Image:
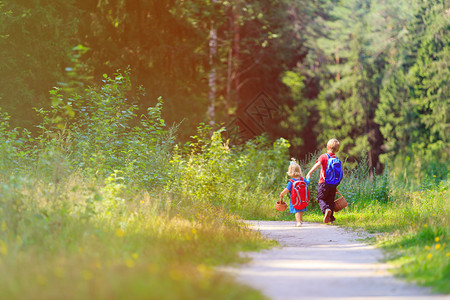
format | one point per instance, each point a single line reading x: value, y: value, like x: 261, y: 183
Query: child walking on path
x: 295, y: 172
x: 326, y: 192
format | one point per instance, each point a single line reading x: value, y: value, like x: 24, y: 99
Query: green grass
x: 83, y: 241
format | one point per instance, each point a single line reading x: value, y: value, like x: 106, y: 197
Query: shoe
x: 327, y: 216
x: 299, y: 224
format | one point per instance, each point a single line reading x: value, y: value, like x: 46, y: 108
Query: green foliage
x: 382, y: 68
x: 35, y: 38
x: 239, y: 179
x: 15, y: 148
x: 414, y: 101
x: 100, y: 132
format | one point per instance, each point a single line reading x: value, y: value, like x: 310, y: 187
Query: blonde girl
x: 295, y: 172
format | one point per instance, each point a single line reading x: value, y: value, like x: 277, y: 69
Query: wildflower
x: 201, y: 268
x: 447, y: 254
x: 436, y: 239
x: 434, y: 175
x: 135, y: 255
x: 3, y: 248
x: 194, y: 231
x: 429, y: 256
x: 142, y: 202
x: 427, y: 247
x: 438, y: 246
x: 425, y: 225
x: 130, y: 263
x: 120, y: 232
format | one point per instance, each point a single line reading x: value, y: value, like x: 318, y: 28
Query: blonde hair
x: 294, y: 170
x: 333, y: 145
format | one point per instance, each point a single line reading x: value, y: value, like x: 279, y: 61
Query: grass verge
x: 83, y: 241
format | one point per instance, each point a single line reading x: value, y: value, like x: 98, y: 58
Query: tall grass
x: 102, y: 241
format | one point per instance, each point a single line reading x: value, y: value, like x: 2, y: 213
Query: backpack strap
x: 329, y: 156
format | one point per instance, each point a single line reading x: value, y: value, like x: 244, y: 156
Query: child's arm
x: 313, y: 169
x: 284, y: 192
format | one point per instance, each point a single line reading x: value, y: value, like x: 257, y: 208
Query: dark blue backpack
x: 334, y: 171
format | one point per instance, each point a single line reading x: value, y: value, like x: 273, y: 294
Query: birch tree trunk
x: 212, y: 73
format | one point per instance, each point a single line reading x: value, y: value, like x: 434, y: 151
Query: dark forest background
x: 372, y: 73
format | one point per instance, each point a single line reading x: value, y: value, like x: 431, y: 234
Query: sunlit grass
x: 81, y: 241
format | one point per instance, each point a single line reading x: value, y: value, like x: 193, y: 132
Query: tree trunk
x: 236, y: 43
x: 212, y: 73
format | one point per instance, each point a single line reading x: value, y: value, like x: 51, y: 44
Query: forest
x: 134, y: 135
x: 371, y: 73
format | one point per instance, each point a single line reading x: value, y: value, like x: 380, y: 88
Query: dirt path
x: 318, y: 261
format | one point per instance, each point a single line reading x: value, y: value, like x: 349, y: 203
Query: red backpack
x: 299, y: 194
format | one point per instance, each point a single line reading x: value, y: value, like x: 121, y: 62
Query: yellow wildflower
x: 430, y: 256
x: 3, y: 248
x: 438, y: 246
x: 120, y: 232
x: 135, y: 255
x: 130, y: 263
x: 436, y: 239
x: 427, y: 247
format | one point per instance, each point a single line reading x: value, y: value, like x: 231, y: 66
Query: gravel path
x: 319, y: 261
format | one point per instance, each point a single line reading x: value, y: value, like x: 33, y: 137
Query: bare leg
x: 298, y: 218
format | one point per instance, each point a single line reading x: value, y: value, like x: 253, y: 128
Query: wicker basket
x: 280, y: 206
x: 340, y: 203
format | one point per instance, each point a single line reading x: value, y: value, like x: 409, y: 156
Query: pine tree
x: 415, y: 97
